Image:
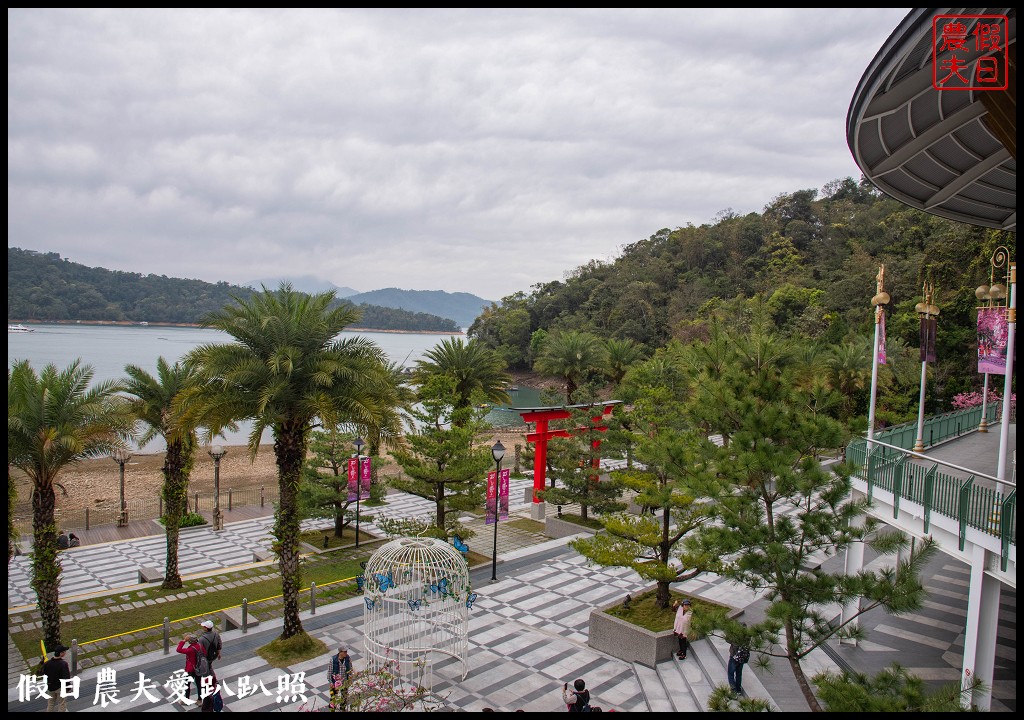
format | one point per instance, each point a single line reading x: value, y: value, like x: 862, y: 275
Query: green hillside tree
x: 477, y: 372
x: 571, y: 356
x: 323, y: 492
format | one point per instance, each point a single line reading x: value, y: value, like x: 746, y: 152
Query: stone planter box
x: 632, y: 643
x: 555, y: 528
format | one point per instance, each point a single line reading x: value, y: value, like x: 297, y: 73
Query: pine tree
x: 441, y: 461
x: 323, y: 492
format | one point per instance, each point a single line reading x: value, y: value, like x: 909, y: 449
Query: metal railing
x: 991, y: 510
x: 937, y: 428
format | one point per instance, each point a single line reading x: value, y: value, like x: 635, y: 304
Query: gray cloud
x: 466, y: 150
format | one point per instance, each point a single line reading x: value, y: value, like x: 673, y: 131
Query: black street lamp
x: 358, y: 442
x: 121, y: 457
x: 217, y: 452
x: 497, y: 452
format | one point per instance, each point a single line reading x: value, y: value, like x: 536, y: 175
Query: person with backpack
x: 339, y: 673
x: 739, y: 655
x: 210, y: 642
x: 577, y: 699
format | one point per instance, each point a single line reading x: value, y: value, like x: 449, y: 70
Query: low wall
x: 555, y: 528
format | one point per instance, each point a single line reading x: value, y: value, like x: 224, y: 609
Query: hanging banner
x: 927, y: 337
x: 353, y: 478
x: 993, y: 332
x: 503, y: 483
x: 492, y: 498
x: 881, y: 338
x: 364, y: 476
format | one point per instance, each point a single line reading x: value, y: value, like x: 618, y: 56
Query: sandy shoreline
x: 131, y: 323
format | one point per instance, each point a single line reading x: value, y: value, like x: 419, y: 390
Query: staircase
x: 685, y: 685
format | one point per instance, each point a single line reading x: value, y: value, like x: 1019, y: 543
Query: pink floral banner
x: 993, y: 332
x: 881, y: 338
x: 353, y: 478
x: 492, y: 499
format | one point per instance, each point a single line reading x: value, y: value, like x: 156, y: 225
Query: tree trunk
x: 176, y: 497
x: 290, y: 451
x: 339, y: 519
x: 439, y: 509
x: 45, y: 563
x: 798, y: 673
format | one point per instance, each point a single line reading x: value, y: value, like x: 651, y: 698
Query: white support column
x: 854, y: 564
x: 981, y: 632
x: 1004, y: 425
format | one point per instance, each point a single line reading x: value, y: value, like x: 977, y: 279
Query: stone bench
x: 262, y: 555
x: 150, y: 575
x: 233, y: 619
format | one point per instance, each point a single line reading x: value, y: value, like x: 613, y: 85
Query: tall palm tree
x: 570, y: 355
x: 849, y: 374
x: 152, y: 402
x: 287, y: 370
x: 475, y: 368
x: 55, y: 419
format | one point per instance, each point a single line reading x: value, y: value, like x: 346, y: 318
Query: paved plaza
x: 528, y: 632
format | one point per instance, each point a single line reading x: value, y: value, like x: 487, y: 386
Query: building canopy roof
x: 950, y: 152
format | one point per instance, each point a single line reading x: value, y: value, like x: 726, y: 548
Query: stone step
x: 701, y: 668
x: 654, y: 692
x: 675, y: 685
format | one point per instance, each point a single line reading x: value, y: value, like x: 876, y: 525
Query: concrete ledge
x: 150, y: 575
x: 262, y: 555
x: 555, y: 528
x: 233, y: 619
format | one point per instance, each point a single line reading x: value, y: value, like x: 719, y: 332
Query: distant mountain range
x: 45, y: 287
x: 461, y: 307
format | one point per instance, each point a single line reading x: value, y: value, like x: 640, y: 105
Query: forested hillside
x: 461, y: 307
x: 810, y: 257
x: 45, y: 287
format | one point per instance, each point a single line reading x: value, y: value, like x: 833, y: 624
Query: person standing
x: 54, y: 670
x: 681, y: 626
x: 739, y: 655
x: 577, y: 699
x: 191, y: 649
x: 210, y: 642
x: 339, y: 673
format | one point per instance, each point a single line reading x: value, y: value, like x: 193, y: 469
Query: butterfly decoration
x: 360, y: 582
x: 415, y: 604
x: 470, y: 600
x: 459, y: 544
x: 384, y: 582
x: 370, y: 602
x: 440, y: 587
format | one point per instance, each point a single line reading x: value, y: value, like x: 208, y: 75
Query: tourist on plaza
x: 63, y: 541
x: 739, y: 655
x: 56, y: 669
x: 339, y: 672
x: 192, y: 650
x: 681, y: 626
x: 210, y: 642
x: 577, y: 699
x: 73, y: 540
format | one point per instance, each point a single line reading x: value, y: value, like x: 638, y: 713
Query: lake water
x: 108, y: 348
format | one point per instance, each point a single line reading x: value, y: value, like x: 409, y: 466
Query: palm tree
x: 849, y: 374
x: 287, y: 371
x: 476, y: 369
x: 621, y: 355
x: 55, y: 419
x: 152, y: 401
x: 571, y: 355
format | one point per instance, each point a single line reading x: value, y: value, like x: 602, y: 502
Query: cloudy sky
x: 464, y: 150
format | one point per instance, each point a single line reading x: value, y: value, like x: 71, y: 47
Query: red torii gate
x: 542, y: 434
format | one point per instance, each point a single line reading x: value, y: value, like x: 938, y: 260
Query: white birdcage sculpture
x: 417, y: 598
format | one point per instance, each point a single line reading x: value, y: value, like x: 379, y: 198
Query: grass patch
x: 644, y: 611
x: 527, y: 525
x: 147, y: 621
x: 298, y: 648
x: 590, y: 522
x: 348, y: 537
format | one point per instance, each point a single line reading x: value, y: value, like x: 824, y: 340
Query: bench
x: 233, y: 619
x: 262, y: 555
x: 150, y: 575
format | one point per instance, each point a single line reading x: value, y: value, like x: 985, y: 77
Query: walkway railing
x: 893, y: 469
x: 937, y: 428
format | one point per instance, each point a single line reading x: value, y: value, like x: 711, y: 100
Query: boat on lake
x: 19, y: 329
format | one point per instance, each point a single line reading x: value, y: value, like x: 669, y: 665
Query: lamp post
x: 121, y: 457
x: 880, y: 300
x: 497, y: 452
x: 217, y: 452
x: 929, y: 313
x: 359, y: 480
